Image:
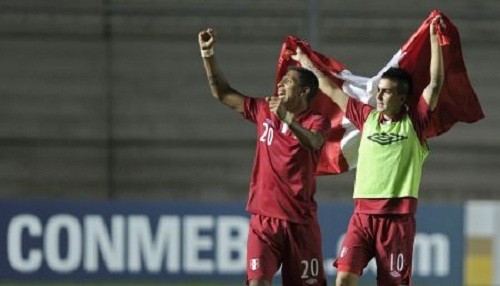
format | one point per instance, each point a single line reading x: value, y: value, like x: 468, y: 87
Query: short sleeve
x: 251, y: 108
x: 420, y: 116
x: 357, y: 112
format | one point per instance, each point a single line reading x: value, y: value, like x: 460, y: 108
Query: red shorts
x: 388, y: 238
x: 297, y: 248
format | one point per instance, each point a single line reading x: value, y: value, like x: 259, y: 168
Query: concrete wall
x: 130, y: 115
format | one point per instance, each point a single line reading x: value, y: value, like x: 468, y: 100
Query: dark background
x: 109, y: 100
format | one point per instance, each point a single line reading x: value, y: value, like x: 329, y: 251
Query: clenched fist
x: 206, y: 39
x: 278, y: 108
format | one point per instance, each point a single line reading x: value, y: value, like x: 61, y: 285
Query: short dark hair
x: 307, y: 79
x: 405, y: 84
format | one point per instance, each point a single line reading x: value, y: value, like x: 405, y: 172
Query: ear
x: 305, y: 91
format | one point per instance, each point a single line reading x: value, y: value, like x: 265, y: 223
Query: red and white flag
x: 457, y: 102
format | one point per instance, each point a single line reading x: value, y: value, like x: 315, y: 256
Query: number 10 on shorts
x: 397, y: 262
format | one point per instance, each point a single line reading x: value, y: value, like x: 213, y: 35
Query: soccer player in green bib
x: 392, y: 150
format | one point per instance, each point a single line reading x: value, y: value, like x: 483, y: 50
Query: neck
x: 391, y: 115
x: 388, y: 117
x: 298, y: 109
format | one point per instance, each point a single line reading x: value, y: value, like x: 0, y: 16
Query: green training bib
x: 390, y: 159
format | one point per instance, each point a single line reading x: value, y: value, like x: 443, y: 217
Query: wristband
x: 207, y: 53
x: 288, y: 119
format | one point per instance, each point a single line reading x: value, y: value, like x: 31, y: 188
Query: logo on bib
x: 386, y: 138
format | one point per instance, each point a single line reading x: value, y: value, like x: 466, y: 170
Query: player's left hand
x: 438, y: 20
x: 301, y: 57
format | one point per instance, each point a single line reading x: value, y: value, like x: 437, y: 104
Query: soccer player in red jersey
x: 392, y: 150
x: 284, y: 230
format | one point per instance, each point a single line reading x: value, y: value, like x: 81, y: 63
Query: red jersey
x: 357, y: 112
x: 283, y: 182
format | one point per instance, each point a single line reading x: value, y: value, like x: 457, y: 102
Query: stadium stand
x: 108, y: 99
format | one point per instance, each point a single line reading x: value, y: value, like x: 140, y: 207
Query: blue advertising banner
x: 183, y: 241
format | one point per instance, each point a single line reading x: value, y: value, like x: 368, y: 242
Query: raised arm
x: 432, y: 91
x: 219, y: 86
x: 326, y: 84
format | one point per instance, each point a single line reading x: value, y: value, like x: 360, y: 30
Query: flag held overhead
x: 458, y: 101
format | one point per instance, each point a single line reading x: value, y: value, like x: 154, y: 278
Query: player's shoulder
x: 258, y: 102
x: 318, y: 117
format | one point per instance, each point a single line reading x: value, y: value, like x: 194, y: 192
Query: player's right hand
x: 206, y: 39
x: 278, y: 108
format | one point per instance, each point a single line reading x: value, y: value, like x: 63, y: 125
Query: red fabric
x: 387, y: 238
x: 392, y: 206
x: 282, y: 184
x: 274, y: 243
x: 357, y: 112
x: 332, y: 160
x: 457, y: 103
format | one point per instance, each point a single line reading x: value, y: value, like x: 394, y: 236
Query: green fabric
x: 390, y: 159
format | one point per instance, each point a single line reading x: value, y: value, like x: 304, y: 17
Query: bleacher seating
x: 108, y: 99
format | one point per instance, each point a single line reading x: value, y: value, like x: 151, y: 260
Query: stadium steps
x: 256, y: 21
x: 170, y: 139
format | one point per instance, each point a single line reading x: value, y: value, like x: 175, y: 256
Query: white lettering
x: 431, y: 252
x: 196, y: 242
x: 268, y: 134
x: 142, y: 244
x: 33, y: 261
x: 98, y: 240
x: 52, y: 242
x: 199, y: 244
x: 229, y: 245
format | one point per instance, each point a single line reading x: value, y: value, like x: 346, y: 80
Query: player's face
x: 289, y: 88
x: 389, y: 101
